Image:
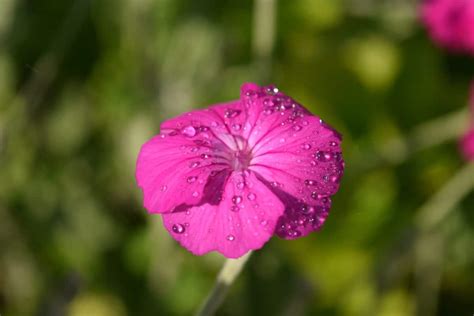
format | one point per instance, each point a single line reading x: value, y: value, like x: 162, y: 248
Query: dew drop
x: 297, y: 128
x: 178, y: 228
x: 334, y: 178
x: 271, y: 90
x: 332, y: 144
x: 195, y: 194
x: 205, y: 156
x: 236, y: 127
x: 236, y: 199
x: 194, y: 164
x: 230, y: 237
x: 251, y: 196
x: 163, y: 188
x: 263, y: 222
x: 306, y: 146
x: 189, y: 131
x: 231, y: 113
x: 240, y: 185
x: 191, y: 179
x: 323, y: 156
x: 305, y: 123
x: 268, y: 111
x: 310, y: 182
x: 235, y: 208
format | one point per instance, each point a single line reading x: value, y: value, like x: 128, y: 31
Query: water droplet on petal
x: 323, y: 156
x: 205, y: 156
x: 230, y: 237
x: 334, y: 178
x: 332, y: 144
x: 309, y: 182
x: 163, y: 188
x: 271, y: 90
x: 235, y: 208
x: 236, y: 127
x: 231, y: 113
x: 268, y: 111
x: 306, y: 146
x: 297, y: 128
x: 195, y: 194
x: 251, y: 196
x: 191, y: 179
x: 194, y: 164
x: 236, y: 199
x: 305, y: 123
x: 178, y: 228
x: 189, y: 131
x: 240, y: 185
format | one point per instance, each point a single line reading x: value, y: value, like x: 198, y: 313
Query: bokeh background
x: 83, y: 83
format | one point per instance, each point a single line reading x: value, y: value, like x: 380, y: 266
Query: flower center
x: 241, y: 160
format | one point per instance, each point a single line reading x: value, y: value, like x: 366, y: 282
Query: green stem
x: 226, y: 277
x: 443, y: 202
x: 428, y: 134
x: 429, y: 246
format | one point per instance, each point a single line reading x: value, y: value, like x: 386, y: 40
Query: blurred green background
x: 84, y: 83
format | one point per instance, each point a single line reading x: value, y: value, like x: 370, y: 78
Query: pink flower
x: 229, y: 177
x: 450, y: 23
x: 467, y: 142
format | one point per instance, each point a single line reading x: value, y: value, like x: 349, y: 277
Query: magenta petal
x: 306, y: 163
x: 229, y: 177
x: 450, y: 23
x: 173, y: 169
x: 244, y: 220
x: 467, y: 145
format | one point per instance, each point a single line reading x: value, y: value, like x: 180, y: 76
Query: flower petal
x: 174, y: 169
x: 300, y: 159
x: 467, y: 145
x: 244, y: 220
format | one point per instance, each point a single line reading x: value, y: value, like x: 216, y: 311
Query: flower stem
x: 263, y: 36
x: 226, y: 277
x: 426, y: 135
x: 430, y: 243
x: 444, y: 201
